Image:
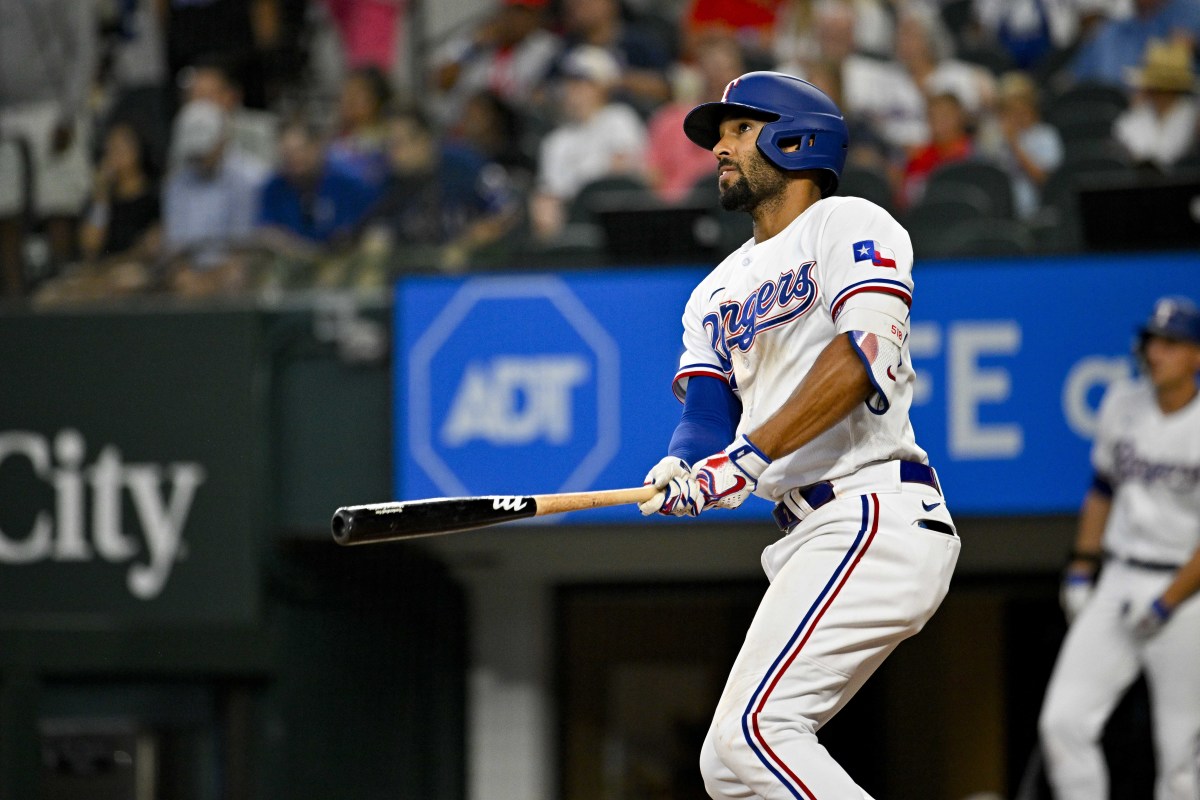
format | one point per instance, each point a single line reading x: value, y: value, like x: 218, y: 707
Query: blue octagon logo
x: 513, y: 388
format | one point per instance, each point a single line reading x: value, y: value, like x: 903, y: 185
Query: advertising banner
x: 130, y: 469
x: 540, y: 383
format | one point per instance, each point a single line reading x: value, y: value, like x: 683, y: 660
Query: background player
x: 1141, y: 518
x: 796, y: 351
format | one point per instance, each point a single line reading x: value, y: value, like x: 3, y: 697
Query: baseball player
x: 796, y: 384
x: 1141, y: 521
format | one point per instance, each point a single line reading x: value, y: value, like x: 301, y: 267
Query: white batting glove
x: 1074, y: 593
x: 677, y: 495
x: 1151, y: 620
x: 727, y: 478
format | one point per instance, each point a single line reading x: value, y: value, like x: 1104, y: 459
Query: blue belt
x: 822, y: 492
x: 1137, y: 563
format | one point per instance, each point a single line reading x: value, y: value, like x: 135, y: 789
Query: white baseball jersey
x: 761, y: 318
x: 1153, y: 463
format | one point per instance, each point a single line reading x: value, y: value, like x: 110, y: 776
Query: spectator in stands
x: 796, y: 36
x: 1028, y: 31
x: 597, y: 139
x: 493, y: 129
x: 215, y: 78
x: 950, y: 141
x: 1160, y: 127
x: 924, y: 48
x: 119, y: 237
x: 359, y: 146
x: 47, y: 62
x: 244, y: 31
x: 133, y: 73
x: 441, y: 204
x: 673, y: 168
x: 1119, y: 43
x: 367, y: 30
x: 307, y: 203
x: 122, y: 220
x: 1021, y: 142
x: 209, y: 203
x: 750, y: 22
x: 879, y: 95
x: 644, y: 58
x: 511, y: 54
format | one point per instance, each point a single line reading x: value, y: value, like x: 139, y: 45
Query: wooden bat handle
x: 578, y: 501
x: 383, y: 522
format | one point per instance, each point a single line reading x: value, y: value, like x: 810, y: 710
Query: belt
x: 1137, y: 563
x: 822, y: 492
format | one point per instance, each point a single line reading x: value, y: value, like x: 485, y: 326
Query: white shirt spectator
x: 1042, y: 144
x: 884, y: 95
x: 578, y: 153
x: 1159, y: 140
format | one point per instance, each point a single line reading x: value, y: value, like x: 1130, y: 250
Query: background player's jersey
x: 1153, y: 463
x: 761, y: 318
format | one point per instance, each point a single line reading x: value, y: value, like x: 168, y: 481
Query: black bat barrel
x: 383, y: 522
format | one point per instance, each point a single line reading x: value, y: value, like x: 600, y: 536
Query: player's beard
x: 758, y: 181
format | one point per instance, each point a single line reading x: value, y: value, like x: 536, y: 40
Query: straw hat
x: 1167, y: 67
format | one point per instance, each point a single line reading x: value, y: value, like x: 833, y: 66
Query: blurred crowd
x: 201, y: 147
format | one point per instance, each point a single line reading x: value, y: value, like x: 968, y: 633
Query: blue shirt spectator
x: 308, y: 197
x: 440, y: 202
x: 1119, y: 44
x: 210, y: 200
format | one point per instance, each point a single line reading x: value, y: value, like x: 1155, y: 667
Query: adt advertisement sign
x: 534, y: 384
x: 532, y: 405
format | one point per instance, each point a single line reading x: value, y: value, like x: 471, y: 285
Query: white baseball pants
x: 1100, y: 658
x: 850, y: 582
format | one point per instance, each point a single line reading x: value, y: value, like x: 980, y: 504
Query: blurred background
x: 263, y: 258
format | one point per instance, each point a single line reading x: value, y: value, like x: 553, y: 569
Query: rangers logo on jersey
x: 736, y: 324
x: 873, y: 251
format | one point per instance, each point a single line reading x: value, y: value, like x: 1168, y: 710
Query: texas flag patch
x: 873, y: 251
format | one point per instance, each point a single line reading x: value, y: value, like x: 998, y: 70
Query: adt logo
x: 512, y: 388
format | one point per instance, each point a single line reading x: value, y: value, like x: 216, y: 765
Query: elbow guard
x: 881, y: 358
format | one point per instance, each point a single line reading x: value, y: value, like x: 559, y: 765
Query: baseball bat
x: 386, y: 522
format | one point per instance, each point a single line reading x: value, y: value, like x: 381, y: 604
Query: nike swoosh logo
x: 929, y: 506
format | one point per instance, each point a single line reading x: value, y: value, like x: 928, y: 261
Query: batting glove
x: 1152, y: 620
x: 727, y: 478
x: 1075, y: 592
x: 678, y: 492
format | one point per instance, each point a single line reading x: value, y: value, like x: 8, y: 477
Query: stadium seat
x: 966, y: 193
x: 992, y: 57
x: 609, y: 192
x: 869, y: 184
x: 1058, y: 226
x: 1089, y: 92
x: 985, y: 175
x: 930, y: 218
x: 1084, y: 122
x: 985, y: 236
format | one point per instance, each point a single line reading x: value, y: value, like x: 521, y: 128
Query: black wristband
x: 1079, y: 555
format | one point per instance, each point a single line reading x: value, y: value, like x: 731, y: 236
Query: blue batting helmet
x: 1173, y: 318
x: 797, y: 113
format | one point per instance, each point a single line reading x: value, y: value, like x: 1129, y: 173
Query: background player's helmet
x: 1173, y: 318
x: 798, y: 112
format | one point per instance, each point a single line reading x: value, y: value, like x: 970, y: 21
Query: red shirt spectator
x: 950, y: 140
x: 673, y: 162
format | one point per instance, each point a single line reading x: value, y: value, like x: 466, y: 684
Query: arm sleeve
x: 710, y: 415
